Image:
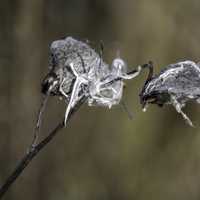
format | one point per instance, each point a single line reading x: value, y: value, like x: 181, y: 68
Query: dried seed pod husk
x: 65, y: 51
x: 177, y: 84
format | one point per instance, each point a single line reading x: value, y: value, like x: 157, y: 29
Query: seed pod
x: 64, y: 52
x: 77, y: 71
x: 176, y: 84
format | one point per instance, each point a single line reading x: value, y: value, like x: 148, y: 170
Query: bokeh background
x: 102, y: 154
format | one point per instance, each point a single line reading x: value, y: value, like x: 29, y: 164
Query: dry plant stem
x: 32, y: 152
x: 126, y: 109
x: 27, y: 159
x: 39, y: 120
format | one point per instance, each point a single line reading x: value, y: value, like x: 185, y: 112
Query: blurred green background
x: 101, y: 155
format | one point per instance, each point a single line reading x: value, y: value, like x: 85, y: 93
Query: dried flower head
x: 77, y: 71
x: 176, y: 84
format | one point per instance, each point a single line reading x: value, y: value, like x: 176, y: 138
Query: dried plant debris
x: 77, y: 71
x: 177, y: 84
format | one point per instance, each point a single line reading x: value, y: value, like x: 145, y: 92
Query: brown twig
x: 39, y: 120
x: 33, y: 151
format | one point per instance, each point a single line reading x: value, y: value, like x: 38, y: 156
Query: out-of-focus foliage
x: 101, y: 154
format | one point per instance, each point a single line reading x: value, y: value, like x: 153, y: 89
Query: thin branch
x: 32, y: 152
x: 39, y: 120
x: 126, y: 109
